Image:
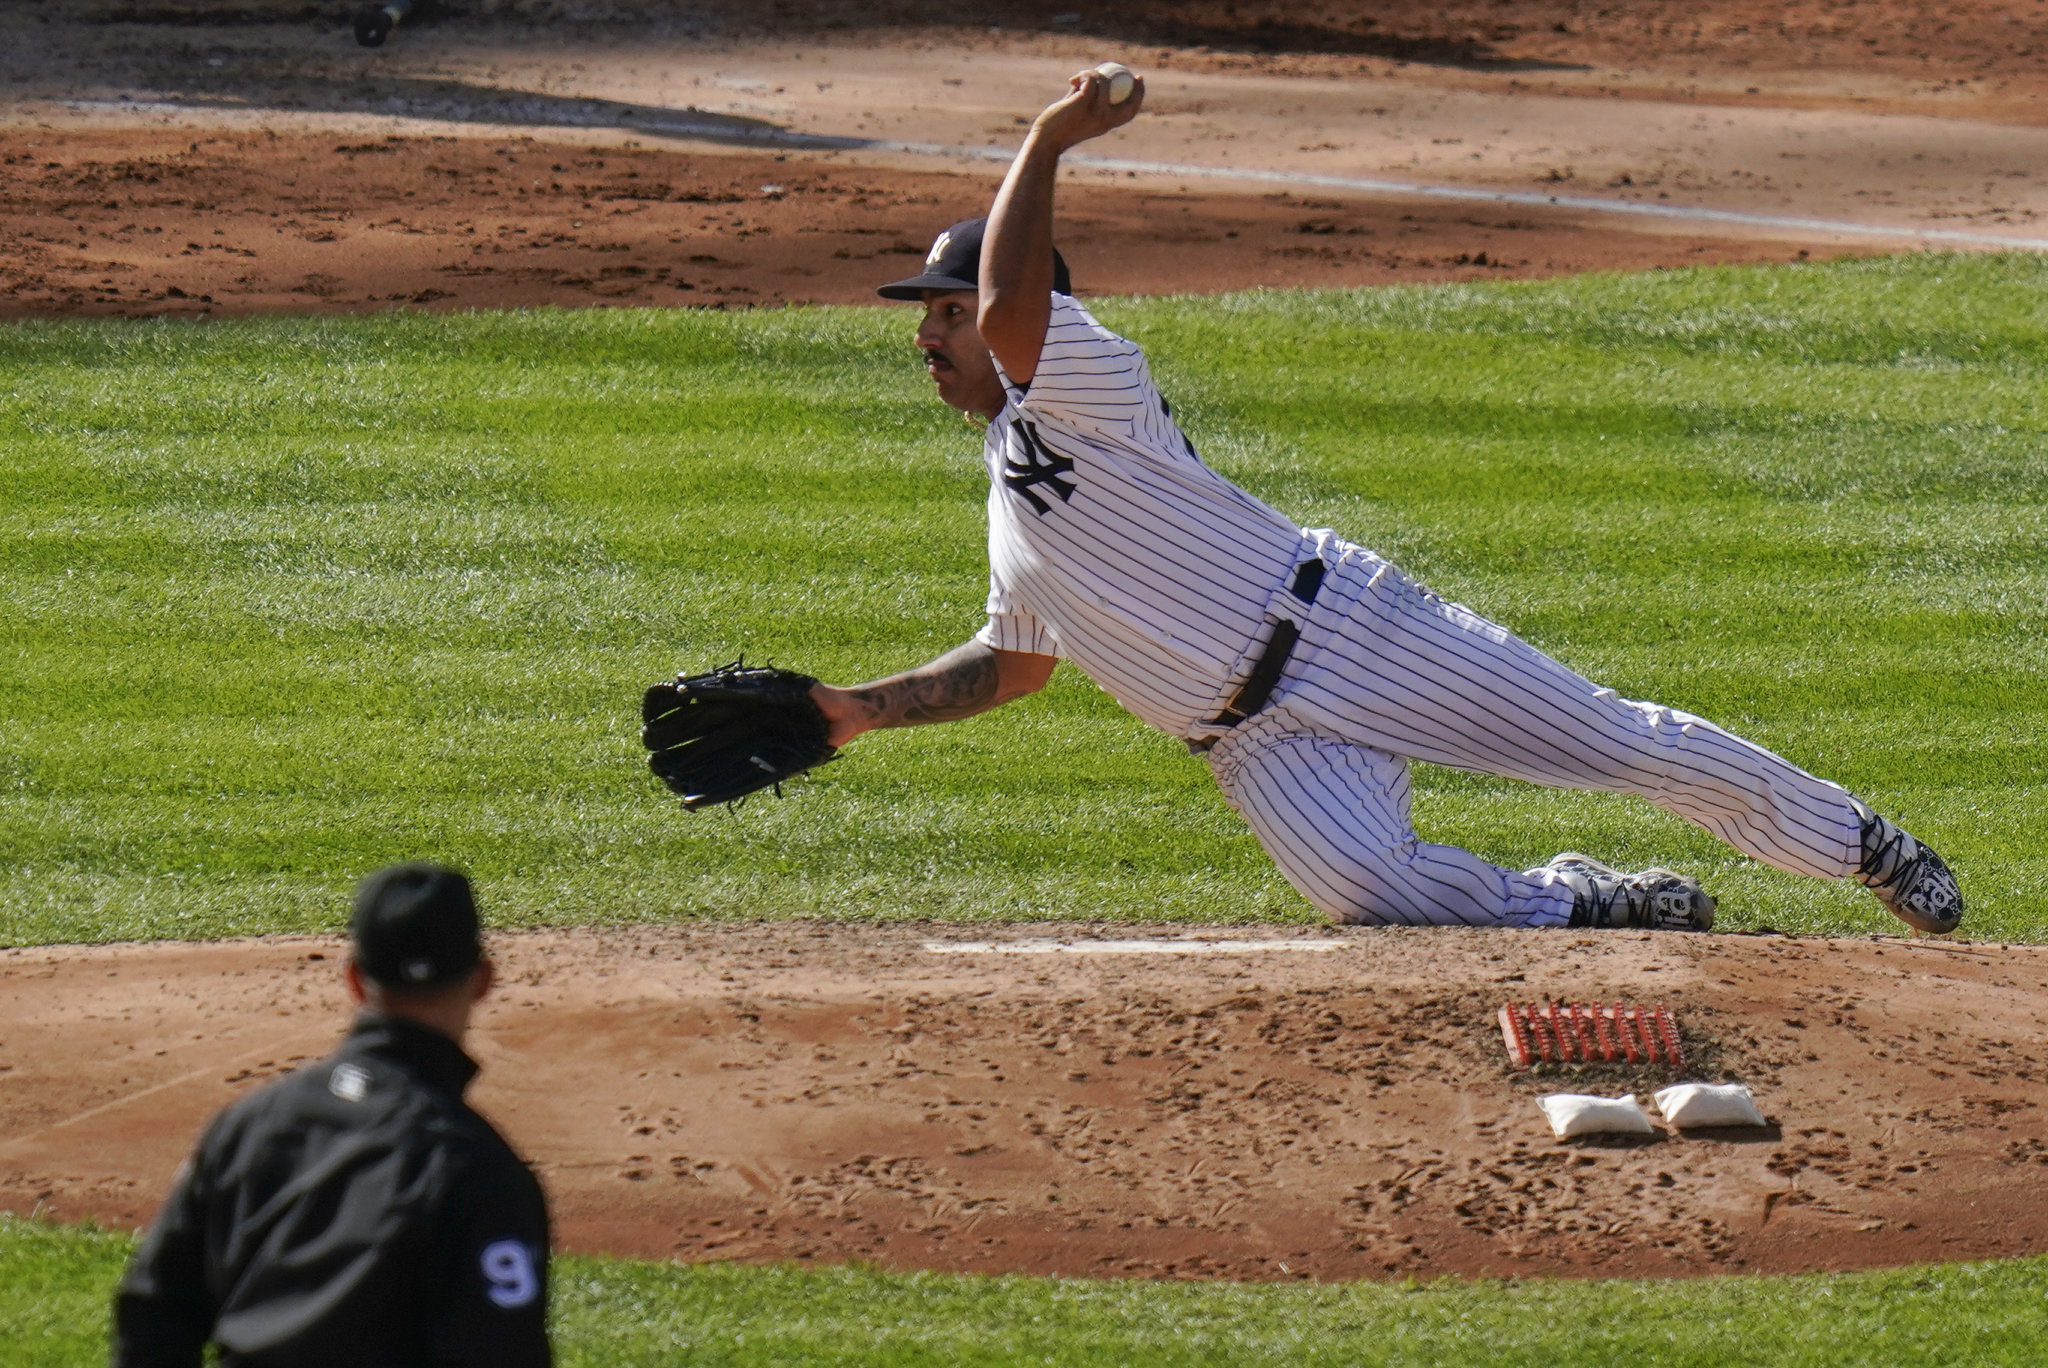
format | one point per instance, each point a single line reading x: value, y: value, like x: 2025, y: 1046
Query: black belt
x: 1265, y: 675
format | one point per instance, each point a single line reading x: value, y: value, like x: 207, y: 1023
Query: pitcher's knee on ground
x: 1334, y: 816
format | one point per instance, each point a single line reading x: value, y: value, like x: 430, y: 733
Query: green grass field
x: 281, y: 601
x: 54, y: 1285
x: 284, y: 600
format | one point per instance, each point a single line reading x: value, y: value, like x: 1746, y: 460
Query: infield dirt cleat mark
x: 1597, y: 1033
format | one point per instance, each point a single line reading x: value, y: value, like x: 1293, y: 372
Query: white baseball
x: 1121, y: 81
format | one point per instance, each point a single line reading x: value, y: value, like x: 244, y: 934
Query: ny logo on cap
x: 939, y: 249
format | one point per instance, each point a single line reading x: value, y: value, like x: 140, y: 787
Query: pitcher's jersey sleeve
x: 1011, y: 626
x: 1092, y: 378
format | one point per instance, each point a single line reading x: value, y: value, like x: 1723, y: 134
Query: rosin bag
x: 1577, y: 1114
x: 1709, y: 1104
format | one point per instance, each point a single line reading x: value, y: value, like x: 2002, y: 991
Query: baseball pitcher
x: 1308, y: 670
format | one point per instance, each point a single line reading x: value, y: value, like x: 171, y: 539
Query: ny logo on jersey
x: 1039, y: 465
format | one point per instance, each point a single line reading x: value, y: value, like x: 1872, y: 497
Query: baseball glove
x: 718, y: 736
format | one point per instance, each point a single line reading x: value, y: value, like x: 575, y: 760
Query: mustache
x: 934, y: 355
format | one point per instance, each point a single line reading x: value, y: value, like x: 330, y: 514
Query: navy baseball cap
x: 415, y: 927
x: 954, y: 263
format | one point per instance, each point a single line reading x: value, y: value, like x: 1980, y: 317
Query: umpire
x: 357, y: 1212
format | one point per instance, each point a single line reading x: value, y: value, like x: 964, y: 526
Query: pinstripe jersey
x: 1112, y: 545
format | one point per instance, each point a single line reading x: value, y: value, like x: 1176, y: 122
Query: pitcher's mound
x: 1290, y: 1103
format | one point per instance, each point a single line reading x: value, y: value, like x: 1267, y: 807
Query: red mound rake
x: 1583, y: 1033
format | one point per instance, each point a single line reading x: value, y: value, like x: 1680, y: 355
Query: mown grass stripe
x: 56, y: 1281
x: 284, y: 599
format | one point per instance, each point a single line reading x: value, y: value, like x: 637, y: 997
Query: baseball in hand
x: 1121, y: 81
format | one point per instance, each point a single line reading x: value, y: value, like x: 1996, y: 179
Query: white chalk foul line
x: 680, y: 124
x: 1128, y: 947
x: 1474, y: 194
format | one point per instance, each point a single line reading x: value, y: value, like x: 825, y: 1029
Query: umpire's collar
x: 433, y: 1056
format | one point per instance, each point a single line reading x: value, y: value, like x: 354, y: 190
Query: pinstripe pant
x: 1387, y: 672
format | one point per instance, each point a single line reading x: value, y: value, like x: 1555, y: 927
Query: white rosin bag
x: 1577, y: 1114
x: 1709, y: 1104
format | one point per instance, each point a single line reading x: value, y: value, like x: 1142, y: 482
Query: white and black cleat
x: 1908, y: 877
x: 1653, y: 900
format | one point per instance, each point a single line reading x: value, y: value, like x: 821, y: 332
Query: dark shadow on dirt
x: 1168, y: 23
x: 461, y: 102
x: 1617, y: 1142
x: 1739, y: 1135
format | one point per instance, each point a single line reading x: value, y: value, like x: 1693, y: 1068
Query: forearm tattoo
x: 958, y: 684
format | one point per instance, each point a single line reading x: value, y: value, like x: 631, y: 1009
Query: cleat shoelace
x: 1887, y: 853
x: 1654, y: 900
x: 1907, y: 876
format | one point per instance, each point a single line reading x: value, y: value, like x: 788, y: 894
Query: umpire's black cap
x: 415, y: 927
x: 954, y: 263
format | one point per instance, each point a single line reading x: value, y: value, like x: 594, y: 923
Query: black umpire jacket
x: 356, y: 1213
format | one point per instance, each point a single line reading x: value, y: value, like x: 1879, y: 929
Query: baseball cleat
x: 1908, y: 877
x: 1654, y: 900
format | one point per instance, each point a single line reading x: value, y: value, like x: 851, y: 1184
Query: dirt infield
x: 361, y: 222
x: 208, y: 157
x: 829, y: 1092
